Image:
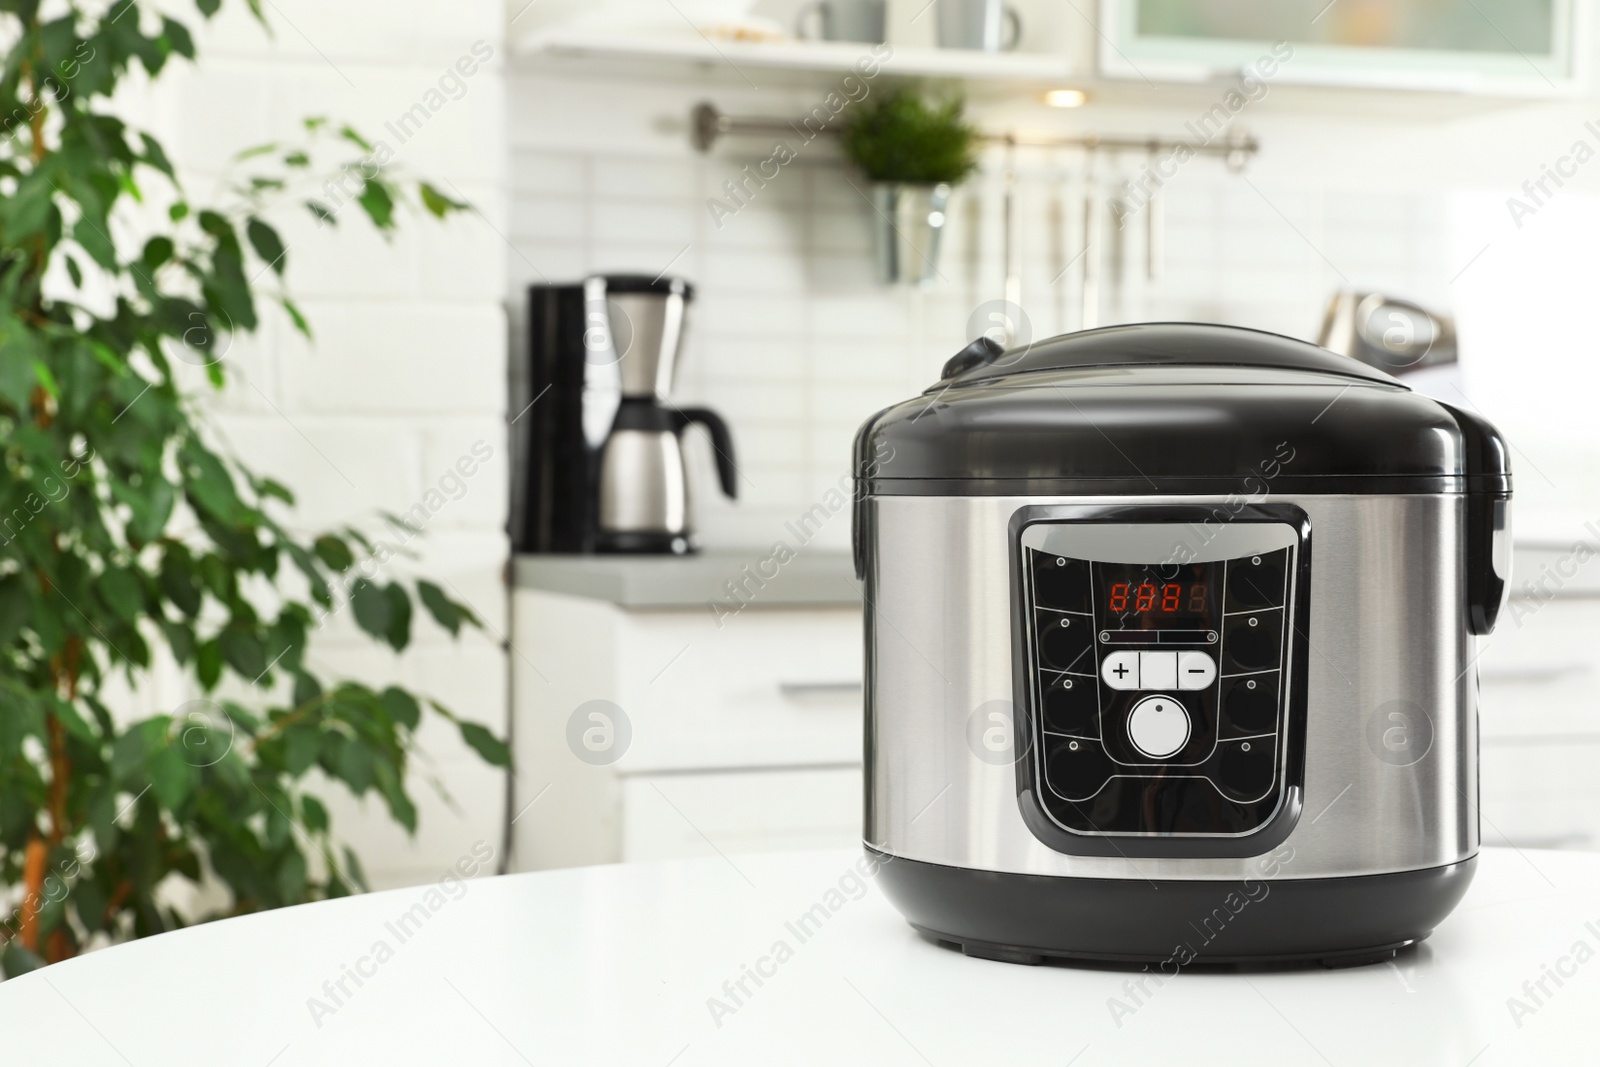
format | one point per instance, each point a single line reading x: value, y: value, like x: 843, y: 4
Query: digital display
x: 1145, y: 596
x: 1166, y: 598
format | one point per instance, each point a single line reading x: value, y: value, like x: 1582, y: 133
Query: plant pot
x: 908, y: 221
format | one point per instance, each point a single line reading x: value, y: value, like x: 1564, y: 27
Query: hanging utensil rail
x: 707, y: 125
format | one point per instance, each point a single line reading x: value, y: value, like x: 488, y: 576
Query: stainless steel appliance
x: 1171, y: 649
x: 602, y: 465
x: 1387, y: 332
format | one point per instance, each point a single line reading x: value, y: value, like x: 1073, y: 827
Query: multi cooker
x: 1170, y: 648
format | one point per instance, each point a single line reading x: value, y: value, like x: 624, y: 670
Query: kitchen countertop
x: 809, y: 578
x: 641, y: 964
x: 827, y: 578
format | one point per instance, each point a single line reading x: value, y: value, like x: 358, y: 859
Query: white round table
x: 643, y: 965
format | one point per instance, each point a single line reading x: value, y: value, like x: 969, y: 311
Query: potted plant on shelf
x: 129, y: 540
x: 915, y: 147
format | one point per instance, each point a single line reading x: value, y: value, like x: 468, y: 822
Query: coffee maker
x: 602, y: 463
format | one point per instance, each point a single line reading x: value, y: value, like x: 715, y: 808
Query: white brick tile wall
x: 407, y: 369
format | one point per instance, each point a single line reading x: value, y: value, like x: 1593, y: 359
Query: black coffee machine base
x: 645, y: 544
x: 1029, y: 918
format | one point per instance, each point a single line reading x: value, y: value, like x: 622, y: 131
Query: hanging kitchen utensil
x: 1089, y: 308
x: 1154, y: 221
x: 1013, y: 264
x: 1118, y: 206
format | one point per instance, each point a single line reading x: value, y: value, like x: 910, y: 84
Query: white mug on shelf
x: 978, y: 24
x: 843, y: 20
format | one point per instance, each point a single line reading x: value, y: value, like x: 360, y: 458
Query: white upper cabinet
x: 1494, y: 47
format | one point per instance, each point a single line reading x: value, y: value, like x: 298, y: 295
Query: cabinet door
x: 769, y: 688
x: 1493, y: 46
x: 676, y: 816
x: 1539, y: 672
x: 1539, y: 721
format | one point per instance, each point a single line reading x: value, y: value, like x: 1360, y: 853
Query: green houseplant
x: 128, y: 537
x: 914, y: 145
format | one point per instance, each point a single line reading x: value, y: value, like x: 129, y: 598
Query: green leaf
x: 177, y: 34
x: 350, y: 134
x: 401, y: 706
x: 208, y: 7
x: 297, y: 317
x: 179, y: 582
x: 333, y: 552
x: 398, y: 633
x: 291, y: 877
x: 15, y: 608
x: 137, y: 744
x: 178, y: 212
x: 121, y: 591
x: 76, y: 724
x: 313, y: 814
x: 74, y: 272
x: 268, y: 245
x: 486, y: 744
x: 352, y: 865
x: 210, y: 485
x: 354, y: 766
x: 442, y: 608
x: 374, y: 610
x: 437, y: 203
x: 306, y: 688
x: 301, y: 743
x: 377, y: 203
x: 274, y: 488
x: 17, y: 376
x: 172, y: 779
x: 322, y: 213
x: 157, y: 251
x: 244, y: 651
x: 17, y: 960
x: 208, y: 664
x: 93, y: 239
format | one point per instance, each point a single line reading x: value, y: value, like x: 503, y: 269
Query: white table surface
x: 616, y: 965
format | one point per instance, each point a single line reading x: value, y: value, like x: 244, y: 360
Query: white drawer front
x: 1540, y: 671
x: 1540, y: 795
x: 769, y: 688
x: 673, y: 816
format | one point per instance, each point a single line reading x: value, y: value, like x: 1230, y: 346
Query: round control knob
x: 1158, y: 726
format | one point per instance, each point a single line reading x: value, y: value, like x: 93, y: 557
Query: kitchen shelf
x: 646, y: 56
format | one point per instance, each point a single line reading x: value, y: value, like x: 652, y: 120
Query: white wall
x: 407, y: 369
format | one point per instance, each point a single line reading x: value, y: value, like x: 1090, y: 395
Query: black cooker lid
x: 1174, y: 408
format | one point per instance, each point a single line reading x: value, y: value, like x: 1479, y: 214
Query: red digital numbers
x: 1147, y: 597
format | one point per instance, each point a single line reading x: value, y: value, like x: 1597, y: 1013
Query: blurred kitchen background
x: 1437, y: 152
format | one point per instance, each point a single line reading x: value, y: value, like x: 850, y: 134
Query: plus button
x: 1120, y: 670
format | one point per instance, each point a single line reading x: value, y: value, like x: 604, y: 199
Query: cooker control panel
x: 1158, y: 678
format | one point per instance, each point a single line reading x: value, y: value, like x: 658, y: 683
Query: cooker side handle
x: 865, y: 467
x: 1488, y: 548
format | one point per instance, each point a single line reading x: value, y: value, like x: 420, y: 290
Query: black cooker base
x: 1028, y: 918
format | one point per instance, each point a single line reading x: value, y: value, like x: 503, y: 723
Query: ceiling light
x: 1066, y: 97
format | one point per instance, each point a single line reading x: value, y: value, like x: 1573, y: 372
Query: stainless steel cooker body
x: 1170, y: 647
x: 1389, y: 684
